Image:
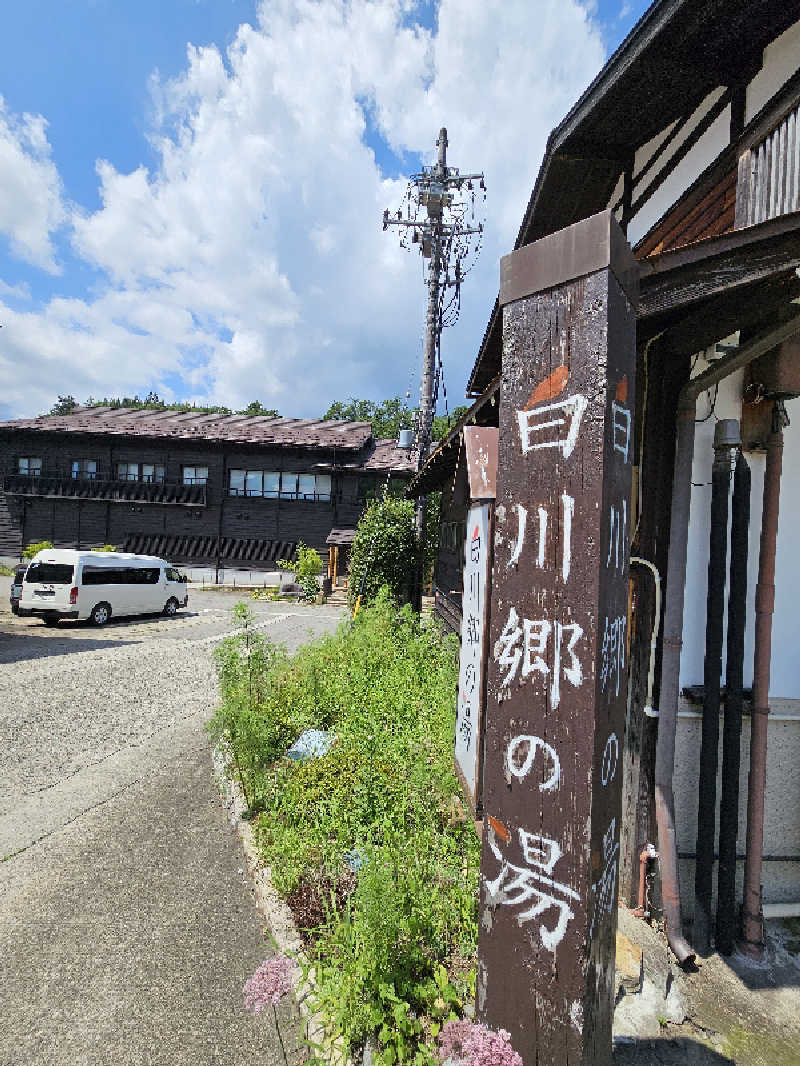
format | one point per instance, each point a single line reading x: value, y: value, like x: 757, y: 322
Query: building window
x: 236, y: 480
x: 127, y: 471
x: 28, y: 466
x: 152, y: 473
x: 272, y: 485
x: 84, y: 469
x: 323, y: 487
x: 195, y: 475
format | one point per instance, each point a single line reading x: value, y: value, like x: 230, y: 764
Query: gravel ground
x: 127, y: 924
x: 71, y: 698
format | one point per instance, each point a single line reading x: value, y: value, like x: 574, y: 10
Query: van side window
x: 101, y: 575
x: 172, y: 575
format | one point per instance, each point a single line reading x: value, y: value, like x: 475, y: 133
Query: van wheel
x: 49, y: 620
x: 171, y: 606
x: 101, y: 612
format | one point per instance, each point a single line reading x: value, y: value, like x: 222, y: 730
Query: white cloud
x: 251, y: 259
x: 31, y: 205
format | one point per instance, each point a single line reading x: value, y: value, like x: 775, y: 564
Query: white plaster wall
x: 781, y: 60
x: 785, y: 672
x: 781, y: 880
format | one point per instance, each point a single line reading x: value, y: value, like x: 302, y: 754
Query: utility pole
x: 448, y: 236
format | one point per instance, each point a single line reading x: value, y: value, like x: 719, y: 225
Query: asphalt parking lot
x: 127, y: 925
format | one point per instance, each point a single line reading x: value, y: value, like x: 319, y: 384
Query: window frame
x: 194, y: 479
x: 128, y: 465
x: 158, y: 475
x: 28, y: 460
x: 278, y: 485
x: 79, y: 470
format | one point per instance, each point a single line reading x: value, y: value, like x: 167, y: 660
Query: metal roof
x: 197, y: 425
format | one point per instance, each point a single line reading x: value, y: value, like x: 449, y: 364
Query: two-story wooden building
x: 198, y: 489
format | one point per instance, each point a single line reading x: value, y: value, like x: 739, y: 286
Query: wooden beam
x: 674, y: 281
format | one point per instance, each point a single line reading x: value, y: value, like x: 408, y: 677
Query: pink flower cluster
x: 466, y: 1043
x: 271, y: 982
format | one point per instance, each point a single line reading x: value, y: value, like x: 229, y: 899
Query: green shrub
x: 105, y: 548
x: 394, y: 954
x: 384, y: 551
x: 306, y: 565
x: 35, y: 548
x: 6, y: 571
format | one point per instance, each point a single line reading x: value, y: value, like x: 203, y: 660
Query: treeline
x: 387, y: 417
x: 65, y: 405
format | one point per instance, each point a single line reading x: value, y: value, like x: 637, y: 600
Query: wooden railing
x: 59, y: 487
x: 769, y: 174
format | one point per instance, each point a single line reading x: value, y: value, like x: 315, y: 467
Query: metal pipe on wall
x: 673, y: 620
x: 726, y: 436
x: 725, y: 932
x: 752, y: 920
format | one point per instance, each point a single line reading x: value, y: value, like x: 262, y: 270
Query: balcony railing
x: 769, y: 174
x: 54, y: 485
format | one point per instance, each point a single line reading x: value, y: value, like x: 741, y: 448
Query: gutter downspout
x: 726, y: 438
x: 673, y: 621
x: 752, y: 919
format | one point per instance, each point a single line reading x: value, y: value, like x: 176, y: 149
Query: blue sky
x: 206, y: 222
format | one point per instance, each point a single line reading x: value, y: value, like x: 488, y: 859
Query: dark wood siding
x: 252, y: 529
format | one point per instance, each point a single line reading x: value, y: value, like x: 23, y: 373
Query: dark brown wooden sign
x: 557, y: 678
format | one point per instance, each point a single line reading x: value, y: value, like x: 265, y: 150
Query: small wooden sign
x: 472, y: 664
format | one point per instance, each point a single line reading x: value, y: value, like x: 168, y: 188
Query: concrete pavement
x: 127, y: 922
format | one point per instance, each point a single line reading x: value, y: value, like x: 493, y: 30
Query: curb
x: 279, y: 920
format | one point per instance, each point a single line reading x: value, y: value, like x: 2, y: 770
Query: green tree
x: 387, y: 418
x: 258, y: 408
x: 442, y: 424
x: 390, y: 416
x: 384, y: 551
x: 64, y: 405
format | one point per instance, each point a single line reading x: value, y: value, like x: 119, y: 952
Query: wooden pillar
x: 557, y: 673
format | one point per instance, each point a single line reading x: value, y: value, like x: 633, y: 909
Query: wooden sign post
x: 480, y: 455
x: 557, y: 677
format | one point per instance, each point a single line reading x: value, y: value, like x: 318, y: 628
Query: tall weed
x: 394, y: 956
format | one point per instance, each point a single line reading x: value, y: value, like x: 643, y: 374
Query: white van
x: 63, y: 583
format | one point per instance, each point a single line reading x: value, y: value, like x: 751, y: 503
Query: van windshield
x: 49, y: 573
